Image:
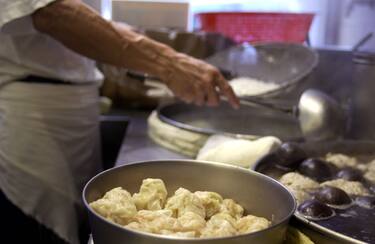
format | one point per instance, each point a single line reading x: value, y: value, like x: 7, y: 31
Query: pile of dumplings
x: 201, y: 214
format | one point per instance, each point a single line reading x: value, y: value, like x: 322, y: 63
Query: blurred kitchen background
x: 338, y: 24
x: 332, y: 28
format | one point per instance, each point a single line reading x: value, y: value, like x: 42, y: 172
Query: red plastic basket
x: 255, y: 27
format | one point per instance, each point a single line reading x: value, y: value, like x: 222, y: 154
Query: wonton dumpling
x: 184, y: 201
x: 251, y: 223
x: 211, y: 202
x: 341, y: 160
x: 231, y: 207
x: 370, y: 176
x: 156, y: 221
x: 350, y: 187
x: 371, y: 166
x: 221, y: 224
x: 298, y: 181
x: 151, y: 196
x: 299, y: 194
x: 116, y: 205
x: 191, y: 221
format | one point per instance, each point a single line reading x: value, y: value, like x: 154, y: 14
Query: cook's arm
x: 84, y: 31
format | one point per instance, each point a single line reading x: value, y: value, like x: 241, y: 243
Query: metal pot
x: 258, y: 194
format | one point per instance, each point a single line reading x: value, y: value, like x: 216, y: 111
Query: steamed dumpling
x: 251, y: 223
x: 191, y: 221
x: 184, y: 201
x: 117, y: 205
x: 298, y: 181
x: 232, y: 208
x: 211, y: 201
x: 350, y: 187
x: 221, y: 224
x: 299, y: 194
x: 152, y: 195
x: 341, y: 160
x: 155, y: 221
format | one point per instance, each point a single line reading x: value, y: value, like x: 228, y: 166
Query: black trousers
x: 17, y: 227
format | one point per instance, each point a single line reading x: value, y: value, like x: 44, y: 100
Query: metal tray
x: 246, y: 122
x: 318, y: 232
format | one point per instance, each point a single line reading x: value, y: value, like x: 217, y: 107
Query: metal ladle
x: 319, y: 115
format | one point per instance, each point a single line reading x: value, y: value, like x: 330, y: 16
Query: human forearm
x: 82, y: 30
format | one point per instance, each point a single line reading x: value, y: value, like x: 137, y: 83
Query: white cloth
x: 49, y: 134
x: 49, y: 148
x: 25, y: 51
x: 240, y: 152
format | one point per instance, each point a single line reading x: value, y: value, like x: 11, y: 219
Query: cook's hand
x: 109, y: 42
x: 195, y: 81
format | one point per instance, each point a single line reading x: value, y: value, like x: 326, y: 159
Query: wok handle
x: 251, y: 102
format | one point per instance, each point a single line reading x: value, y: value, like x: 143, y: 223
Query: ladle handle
x: 251, y: 102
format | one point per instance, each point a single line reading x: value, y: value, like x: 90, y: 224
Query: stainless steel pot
x: 258, y: 194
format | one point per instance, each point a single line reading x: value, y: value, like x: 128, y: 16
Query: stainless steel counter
x: 137, y: 146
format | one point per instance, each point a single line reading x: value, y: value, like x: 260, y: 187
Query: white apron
x: 49, y: 147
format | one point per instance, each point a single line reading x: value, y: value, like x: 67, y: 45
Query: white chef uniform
x: 49, y: 141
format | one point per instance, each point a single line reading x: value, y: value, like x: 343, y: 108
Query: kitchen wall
x: 357, y: 19
x: 337, y: 23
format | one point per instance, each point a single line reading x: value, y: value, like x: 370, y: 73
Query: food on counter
x: 333, y: 197
x: 316, y: 169
x: 246, y: 86
x: 371, y: 166
x: 370, y: 176
x: 298, y: 181
x: 341, y: 160
x: 290, y: 155
x: 299, y: 194
x: 350, y: 187
x: 335, y: 170
x: 344, y: 199
x: 315, y: 210
x: 185, y: 214
x: 298, y: 185
x: 240, y: 152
